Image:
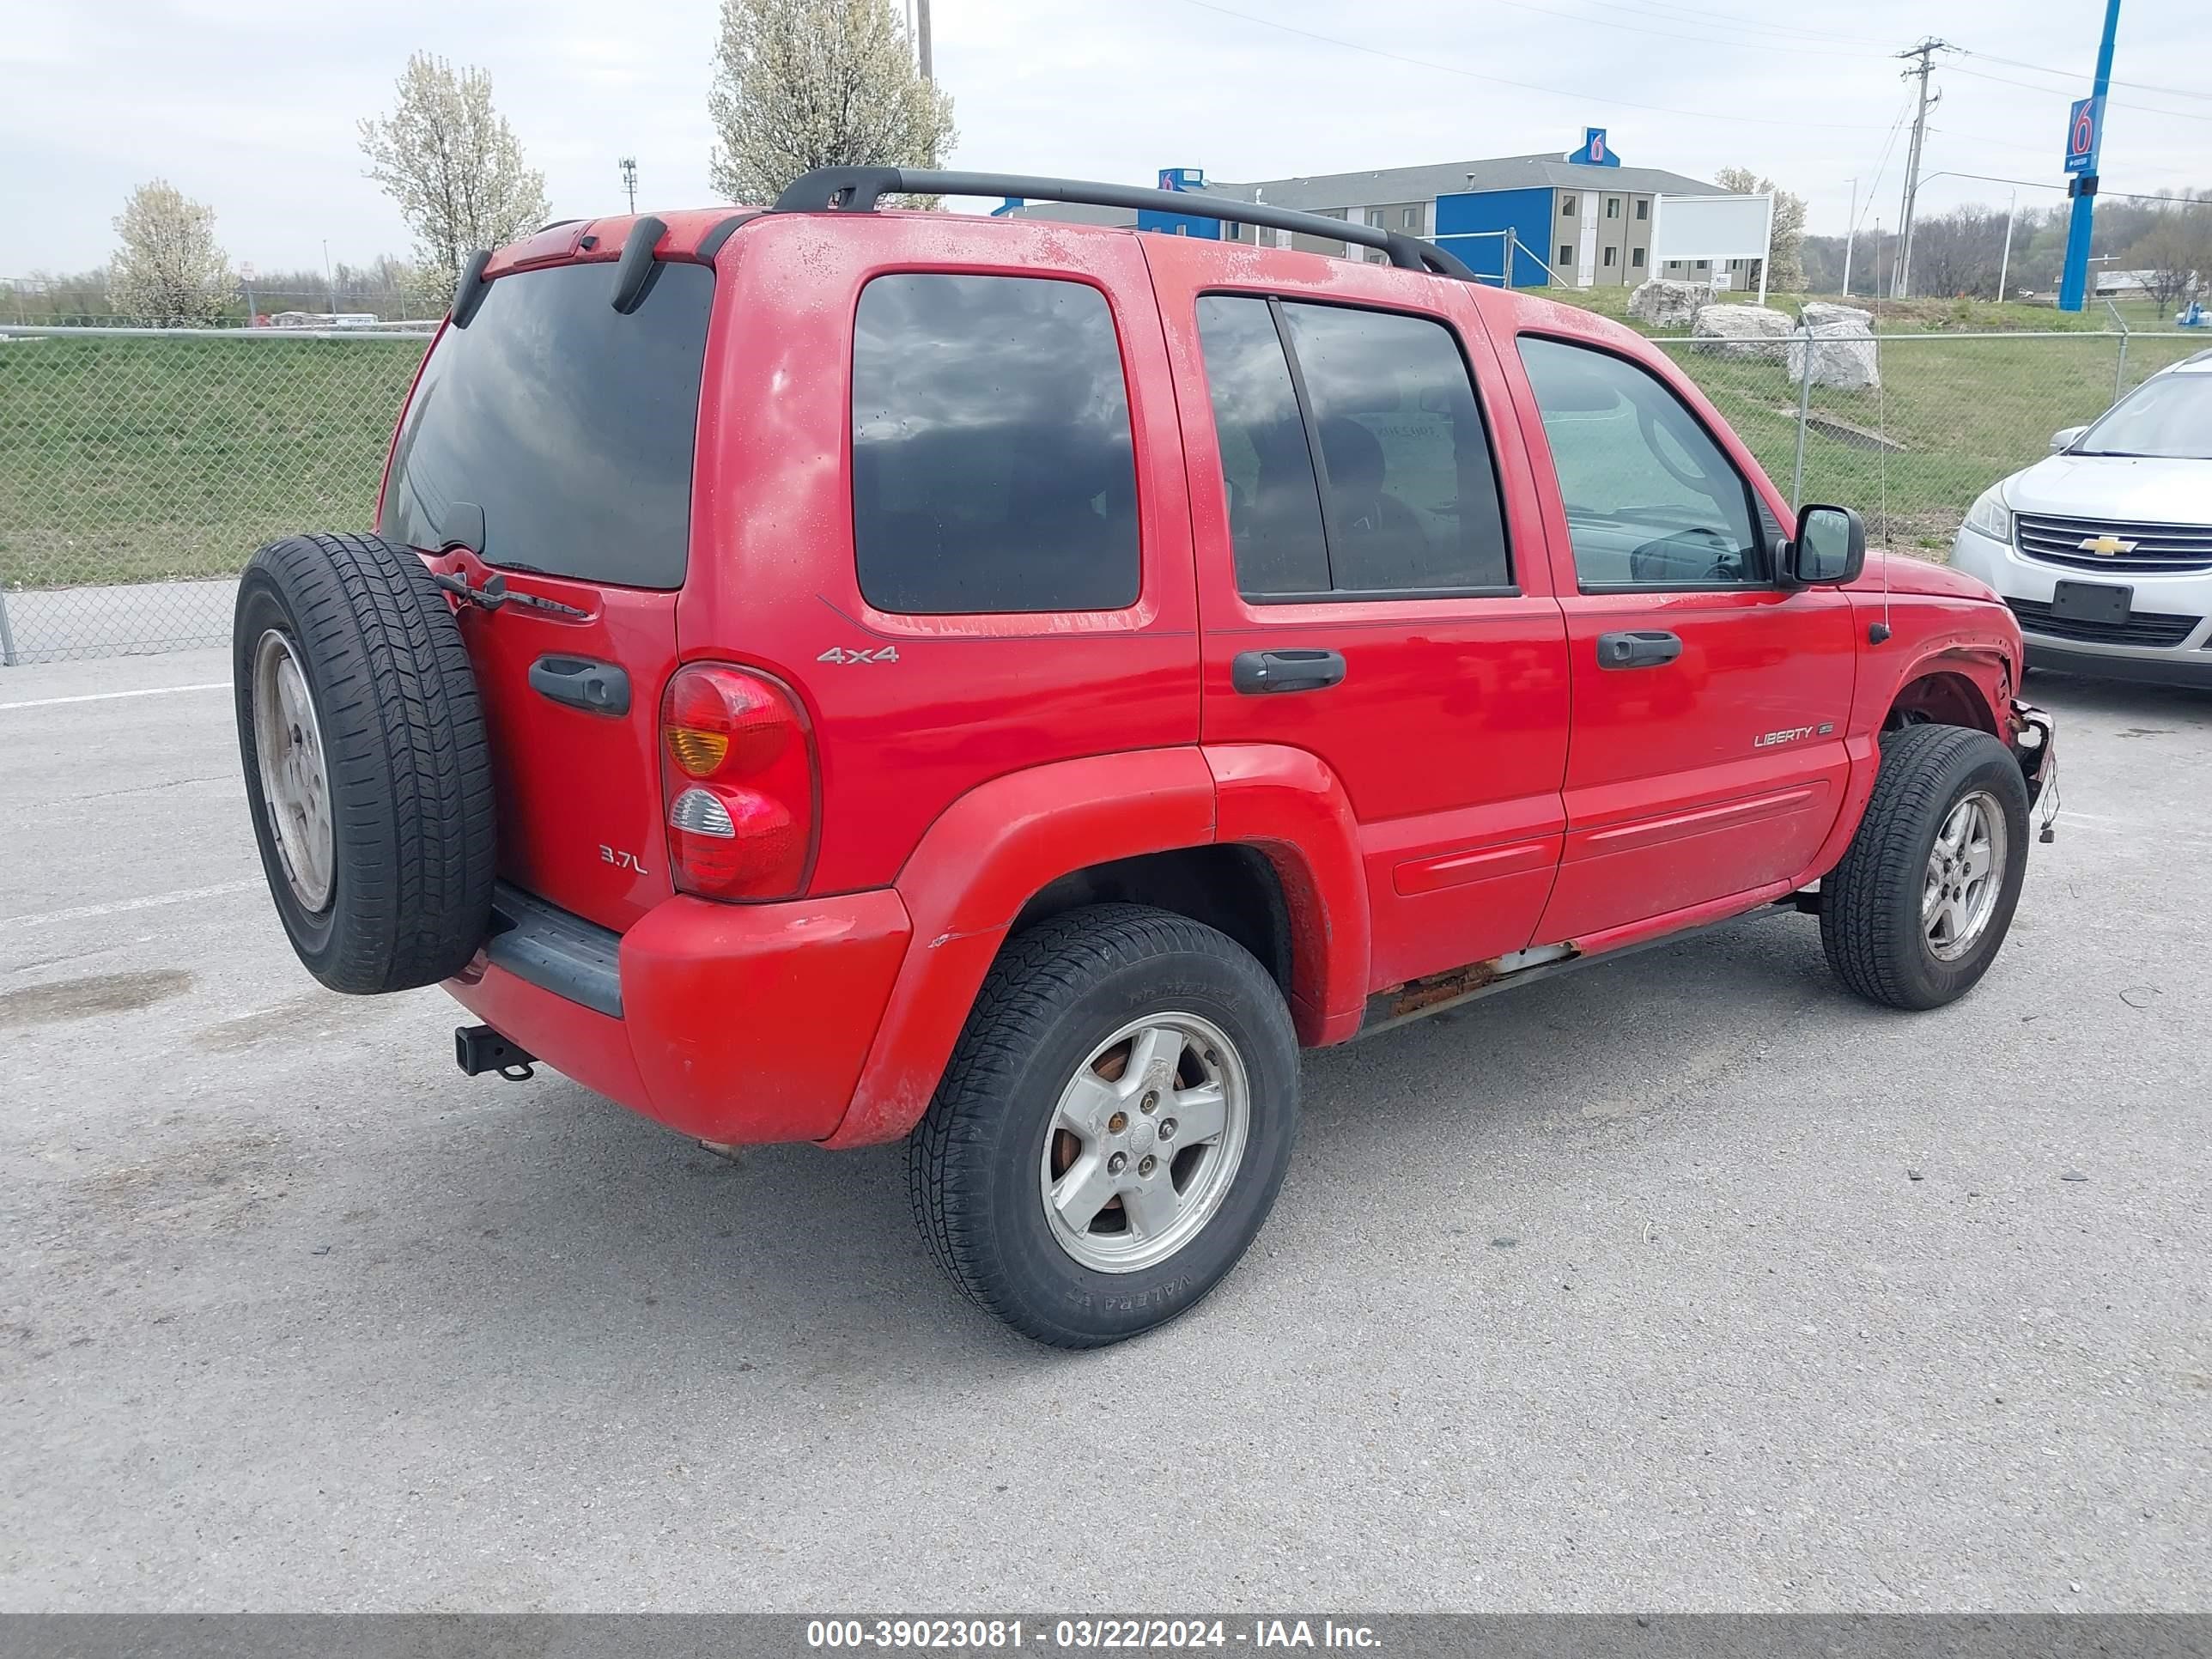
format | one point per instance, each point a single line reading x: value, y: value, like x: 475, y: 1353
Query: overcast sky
x: 253, y: 110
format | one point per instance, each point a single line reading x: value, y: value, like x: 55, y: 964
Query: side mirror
x: 2063, y: 439
x: 1829, y: 547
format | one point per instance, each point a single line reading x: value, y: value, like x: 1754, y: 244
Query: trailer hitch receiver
x: 478, y: 1050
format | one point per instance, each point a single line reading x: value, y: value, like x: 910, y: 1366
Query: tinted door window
x: 569, y: 423
x: 1650, y: 498
x: 1274, y: 506
x: 993, y: 467
x: 1408, y: 498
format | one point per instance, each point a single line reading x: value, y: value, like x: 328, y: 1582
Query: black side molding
x: 473, y: 288
x: 635, y: 269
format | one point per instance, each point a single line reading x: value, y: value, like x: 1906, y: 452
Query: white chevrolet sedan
x: 2104, y: 548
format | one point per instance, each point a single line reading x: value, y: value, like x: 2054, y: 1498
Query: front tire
x: 1113, y: 1127
x: 1919, y: 906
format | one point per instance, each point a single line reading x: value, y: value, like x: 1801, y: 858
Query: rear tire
x: 1907, y: 922
x: 373, y: 810
x: 1109, y: 1032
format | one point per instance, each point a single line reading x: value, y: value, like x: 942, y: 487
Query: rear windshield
x: 569, y: 423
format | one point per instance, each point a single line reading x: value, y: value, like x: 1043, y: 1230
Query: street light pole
x: 1850, y: 227
x: 2004, y: 266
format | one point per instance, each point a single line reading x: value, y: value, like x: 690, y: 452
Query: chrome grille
x: 2158, y: 547
x: 2150, y: 628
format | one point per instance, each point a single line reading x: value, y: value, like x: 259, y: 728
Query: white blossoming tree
x: 168, y: 272
x: 452, y: 165
x: 800, y: 84
x: 1787, y: 246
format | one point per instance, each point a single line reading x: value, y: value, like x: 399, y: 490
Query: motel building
x: 1582, y: 219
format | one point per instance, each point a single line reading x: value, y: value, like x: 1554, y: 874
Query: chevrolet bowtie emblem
x: 2107, y: 546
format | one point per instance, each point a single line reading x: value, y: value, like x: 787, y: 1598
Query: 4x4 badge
x: 839, y: 653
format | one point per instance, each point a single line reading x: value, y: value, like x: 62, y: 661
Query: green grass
x: 1967, y: 411
x: 138, y: 460
x: 127, y: 460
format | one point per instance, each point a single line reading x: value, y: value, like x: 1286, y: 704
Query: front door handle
x: 1639, y: 647
x: 1257, y: 673
x: 598, y: 687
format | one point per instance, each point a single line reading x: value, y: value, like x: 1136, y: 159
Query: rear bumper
x: 743, y: 1024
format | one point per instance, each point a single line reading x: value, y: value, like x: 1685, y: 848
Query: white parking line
x: 86, y: 912
x: 103, y: 696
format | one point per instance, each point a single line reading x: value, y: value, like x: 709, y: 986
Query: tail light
x: 737, y: 769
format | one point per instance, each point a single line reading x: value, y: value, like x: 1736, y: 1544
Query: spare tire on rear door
x: 367, y: 768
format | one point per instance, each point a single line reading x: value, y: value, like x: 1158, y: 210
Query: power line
x: 2075, y: 75
x: 1664, y: 9
x: 1881, y: 167
x: 1581, y: 98
x: 1669, y: 34
x: 2041, y: 184
x: 2062, y: 91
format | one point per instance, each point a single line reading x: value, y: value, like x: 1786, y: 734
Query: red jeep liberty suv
x: 838, y: 675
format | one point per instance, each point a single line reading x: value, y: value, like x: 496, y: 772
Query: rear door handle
x: 600, y: 688
x: 1639, y: 647
x: 1257, y: 673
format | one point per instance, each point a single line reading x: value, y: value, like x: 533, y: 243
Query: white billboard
x: 1714, y: 228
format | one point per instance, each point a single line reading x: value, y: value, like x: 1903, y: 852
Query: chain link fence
x: 140, y: 468
x: 1909, y: 428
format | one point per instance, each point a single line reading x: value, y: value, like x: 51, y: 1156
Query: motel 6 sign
x: 2085, y: 128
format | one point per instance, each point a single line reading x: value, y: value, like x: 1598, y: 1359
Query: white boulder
x: 1659, y: 303
x: 1823, y: 311
x: 1842, y: 356
x: 1752, y: 331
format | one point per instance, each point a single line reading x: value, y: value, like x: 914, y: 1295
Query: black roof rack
x: 855, y: 190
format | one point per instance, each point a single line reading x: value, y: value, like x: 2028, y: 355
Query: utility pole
x: 330, y: 282
x: 1850, y: 228
x: 1925, y: 52
x: 921, y: 36
x: 628, y: 165
x: 2004, y: 264
x: 2074, y: 275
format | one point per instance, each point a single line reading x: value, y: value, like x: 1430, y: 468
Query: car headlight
x: 1990, y: 516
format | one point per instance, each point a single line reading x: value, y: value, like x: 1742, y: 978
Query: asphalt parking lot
x: 1687, y: 1282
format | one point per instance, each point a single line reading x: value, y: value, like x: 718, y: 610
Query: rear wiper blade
x: 492, y: 595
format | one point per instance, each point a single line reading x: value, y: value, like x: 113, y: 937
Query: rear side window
x: 993, y: 467
x: 569, y: 423
x: 1404, y: 498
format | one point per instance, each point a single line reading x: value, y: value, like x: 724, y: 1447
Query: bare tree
x: 454, y: 166
x: 169, y: 272
x: 2174, y: 256
x: 800, y: 84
